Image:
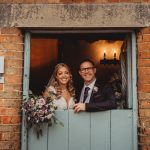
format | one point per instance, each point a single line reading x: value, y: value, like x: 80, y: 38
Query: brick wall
x: 11, y: 47
x: 144, y: 87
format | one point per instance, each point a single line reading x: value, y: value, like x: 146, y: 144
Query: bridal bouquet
x: 39, y: 110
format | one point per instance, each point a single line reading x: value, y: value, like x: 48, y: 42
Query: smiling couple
x: 93, y: 96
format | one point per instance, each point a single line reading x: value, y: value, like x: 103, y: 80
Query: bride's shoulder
x: 52, y: 89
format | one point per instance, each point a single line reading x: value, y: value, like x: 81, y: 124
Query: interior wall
x: 44, y: 54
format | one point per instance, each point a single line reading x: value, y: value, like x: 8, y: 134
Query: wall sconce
x: 109, y: 61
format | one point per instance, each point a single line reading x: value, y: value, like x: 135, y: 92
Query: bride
x: 62, y: 85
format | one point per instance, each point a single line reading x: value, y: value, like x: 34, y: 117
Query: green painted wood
x: 79, y: 131
x: 134, y: 87
x: 38, y: 144
x: 57, y: 134
x: 123, y: 122
x: 100, y: 131
x: 121, y: 130
x: 25, y: 87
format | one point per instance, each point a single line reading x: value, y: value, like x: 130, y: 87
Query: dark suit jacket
x: 102, y: 98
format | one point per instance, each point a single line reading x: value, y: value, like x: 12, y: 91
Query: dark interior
x: 49, y: 49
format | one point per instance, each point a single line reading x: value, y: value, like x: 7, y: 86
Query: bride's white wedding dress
x: 61, y: 102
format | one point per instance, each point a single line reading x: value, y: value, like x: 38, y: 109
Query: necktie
x: 85, y: 93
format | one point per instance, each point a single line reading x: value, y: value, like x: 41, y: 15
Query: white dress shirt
x: 91, y: 85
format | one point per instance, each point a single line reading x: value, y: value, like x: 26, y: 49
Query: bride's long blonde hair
x: 54, y: 82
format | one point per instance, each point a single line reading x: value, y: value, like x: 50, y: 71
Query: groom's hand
x: 79, y: 107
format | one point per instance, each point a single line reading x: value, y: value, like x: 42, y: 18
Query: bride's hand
x: 46, y: 93
x: 79, y: 107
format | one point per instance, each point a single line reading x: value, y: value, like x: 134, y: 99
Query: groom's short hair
x: 87, y: 60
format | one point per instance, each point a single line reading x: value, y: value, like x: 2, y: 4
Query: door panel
x: 57, y: 134
x: 40, y: 143
x: 79, y: 131
x: 107, y: 130
x: 121, y: 130
x: 100, y: 131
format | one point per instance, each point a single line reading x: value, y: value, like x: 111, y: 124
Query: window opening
x: 108, y: 51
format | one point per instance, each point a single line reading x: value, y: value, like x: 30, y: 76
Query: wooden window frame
x: 131, y: 69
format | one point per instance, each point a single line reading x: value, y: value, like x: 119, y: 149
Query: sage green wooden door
x: 108, y: 130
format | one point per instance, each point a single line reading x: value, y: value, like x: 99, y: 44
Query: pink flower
x: 41, y: 102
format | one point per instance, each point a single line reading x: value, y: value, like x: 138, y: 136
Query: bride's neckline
x: 64, y: 90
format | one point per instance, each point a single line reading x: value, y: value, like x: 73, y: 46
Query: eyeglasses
x: 86, y: 69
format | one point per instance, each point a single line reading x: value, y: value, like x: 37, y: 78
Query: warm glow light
x: 114, y: 53
x: 97, y: 49
x: 104, y: 54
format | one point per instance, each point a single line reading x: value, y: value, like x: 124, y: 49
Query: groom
x: 93, y: 96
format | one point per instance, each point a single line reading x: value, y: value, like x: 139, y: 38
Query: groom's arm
x: 102, y: 101
x: 105, y: 102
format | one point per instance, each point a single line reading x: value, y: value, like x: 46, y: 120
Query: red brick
x: 146, y: 37
x: 1, y: 102
x: 144, y: 104
x: 136, y: 1
x: 46, y: 1
x: 13, y: 87
x: 10, y: 128
x: 13, y: 79
x: 1, y: 87
x: 146, y: 30
x: 147, y: 131
x: 143, y: 63
x: 101, y: 1
x: 11, y: 39
x: 5, y: 1
x: 53, y: 1
x: 145, y: 139
x: 144, y: 78
x: 14, y: 71
x: 11, y: 119
x: 11, y: 46
x: 144, y: 112
x: 143, y: 46
x: 127, y: 1
x: 113, y: 1
x: 9, y: 145
x: 9, y: 111
x: 144, y: 87
x: 7, y: 136
x: 144, y: 55
x: 28, y: 1
x: 14, y: 63
x: 14, y: 54
x: 10, y: 103
x: 10, y: 95
x: 144, y: 70
x: 17, y: 1
x: 2, y: 39
x: 12, y: 31
x: 144, y: 96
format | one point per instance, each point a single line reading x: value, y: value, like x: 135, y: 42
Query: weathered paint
x: 75, y: 15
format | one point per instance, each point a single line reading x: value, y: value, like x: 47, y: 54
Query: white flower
x: 95, y: 89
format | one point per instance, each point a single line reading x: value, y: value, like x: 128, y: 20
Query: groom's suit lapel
x: 95, y: 90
